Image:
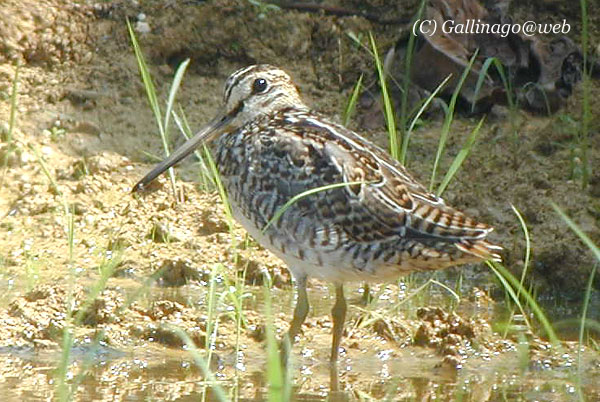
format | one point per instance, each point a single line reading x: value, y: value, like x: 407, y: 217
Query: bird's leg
x: 300, y: 313
x: 367, y: 297
x: 338, y: 313
x: 334, y: 379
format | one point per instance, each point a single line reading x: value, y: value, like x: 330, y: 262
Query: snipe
x: 270, y: 147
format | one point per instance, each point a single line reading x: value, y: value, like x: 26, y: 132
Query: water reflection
x: 415, y: 375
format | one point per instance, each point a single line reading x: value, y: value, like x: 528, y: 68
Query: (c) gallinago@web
x: 269, y: 147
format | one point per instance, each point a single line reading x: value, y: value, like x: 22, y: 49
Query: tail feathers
x: 480, y: 248
x: 447, y: 223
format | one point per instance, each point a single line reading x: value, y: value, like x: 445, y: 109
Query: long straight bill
x: 204, y: 135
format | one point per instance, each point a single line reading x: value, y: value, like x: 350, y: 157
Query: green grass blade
x: 12, y: 118
x: 306, y: 193
x: 509, y: 289
x: 63, y: 392
x: 596, y: 251
x: 146, y: 78
x: 527, y: 257
x: 219, y: 393
x: 387, y: 103
x: 452, y: 292
x: 275, y: 370
x: 221, y: 189
x: 351, y: 106
x: 527, y: 243
x: 152, y: 99
x: 584, y: 310
x: 46, y: 171
x: 542, y: 91
x: 106, y: 270
x: 482, y: 76
x: 406, y: 137
x: 584, y: 238
x: 510, y: 283
x: 173, y: 93
x: 460, y: 157
x: 505, y: 82
x: 449, y: 118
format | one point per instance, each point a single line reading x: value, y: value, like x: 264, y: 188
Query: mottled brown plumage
x: 269, y: 147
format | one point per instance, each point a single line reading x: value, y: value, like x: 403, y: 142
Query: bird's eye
x: 259, y: 85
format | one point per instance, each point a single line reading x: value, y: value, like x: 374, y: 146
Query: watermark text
x: 429, y: 27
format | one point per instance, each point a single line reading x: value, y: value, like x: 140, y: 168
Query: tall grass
x: 278, y: 372
x: 399, y: 144
x: 66, y: 384
x: 408, y: 133
x: 163, y: 126
x: 511, y: 99
x: 517, y: 291
x: 586, y: 107
x: 351, y: 104
x: 449, y: 117
x: 460, y: 158
x: 588, y: 291
x: 210, y: 178
x: 218, y: 392
x: 525, y: 264
x: 390, y: 119
x: 522, y: 297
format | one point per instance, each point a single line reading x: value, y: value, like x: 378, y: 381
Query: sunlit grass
x: 584, y: 323
x: 66, y: 382
x: 595, y: 251
x: 277, y: 375
x: 163, y: 126
x: 408, y: 134
x: 220, y: 287
x: 218, y: 391
x: 448, y: 119
x: 351, y: 104
x: 525, y: 265
x: 460, y: 158
x: 390, y: 119
x: 522, y: 297
x: 516, y: 291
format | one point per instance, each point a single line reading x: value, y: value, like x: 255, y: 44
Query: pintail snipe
x: 269, y: 147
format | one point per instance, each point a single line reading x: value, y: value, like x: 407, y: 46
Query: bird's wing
x: 380, y: 199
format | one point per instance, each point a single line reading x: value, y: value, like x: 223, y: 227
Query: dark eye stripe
x: 242, y: 74
x: 235, y: 79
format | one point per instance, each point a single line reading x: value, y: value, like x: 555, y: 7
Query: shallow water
x: 409, y: 375
x: 370, y: 365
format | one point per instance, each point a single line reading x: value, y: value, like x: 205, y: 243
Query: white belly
x: 333, y: 266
